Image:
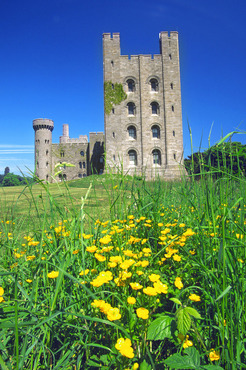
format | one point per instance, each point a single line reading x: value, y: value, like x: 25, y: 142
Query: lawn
x: 114, y: 272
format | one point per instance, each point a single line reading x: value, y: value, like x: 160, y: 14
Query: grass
x: 114, y: 272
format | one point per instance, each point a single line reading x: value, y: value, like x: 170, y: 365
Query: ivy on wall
x: 113, y: 95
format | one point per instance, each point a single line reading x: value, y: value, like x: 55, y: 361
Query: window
x: 37, y: 164
x: 82, y: 153
x: 113, y: 134
x: 112, y: 63
x: 172, y: 108
x: 155, y: 132
x: 131, y: 85
x: 173, y: 133
x: 132, y: 132
x: 112, y: 110
x: 174, y: 156
x: 80, y: 164
x: 47, y: 164
x: 171, y: 85
x: 47, y: 177
x: 83, y: 164
x: 155, y: 109
x: 156, y: 156
x: 154, y: 84
x: 114, y: 157
x: 80, y: 175
x: 47, y: 152
x: 131, y: 109
x: 132, y: 157
x: 84, y: 174
x: 62, y: 153
x: 170, y: 56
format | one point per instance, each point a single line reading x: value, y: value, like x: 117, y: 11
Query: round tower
x: 43, y: 128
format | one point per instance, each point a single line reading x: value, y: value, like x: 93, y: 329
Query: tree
x: 227, y: 157
x: 11, y: 180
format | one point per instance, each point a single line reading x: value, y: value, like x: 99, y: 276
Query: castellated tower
x: 143, y: 134
x: 43, y: 143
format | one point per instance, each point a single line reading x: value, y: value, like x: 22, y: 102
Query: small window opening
x: 171, y: 85
x: 170, y: 56
x: 113, y: 110
x: 62, y: 153
x: 174, y: 156
x: 172, y: 108
x: 113, y: 134
x: 173, y: 133
x: 112, y: 63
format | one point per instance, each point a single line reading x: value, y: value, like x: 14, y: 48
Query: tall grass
x: 65, y: 301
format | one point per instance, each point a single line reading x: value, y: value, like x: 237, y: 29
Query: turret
x: 43, y: 128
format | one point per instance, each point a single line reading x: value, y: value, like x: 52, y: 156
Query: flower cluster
x: 124, y: 346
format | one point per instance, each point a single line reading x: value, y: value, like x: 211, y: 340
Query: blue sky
x: 51, y: 65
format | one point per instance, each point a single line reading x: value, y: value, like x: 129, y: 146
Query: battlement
x: 107, y: 36
x: 43, y: 123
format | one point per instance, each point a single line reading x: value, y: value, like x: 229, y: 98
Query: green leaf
x: 145, y: 366
x: 212, y: 367
x: 191, y: 311
x: 190, y: 361
x: 161, y: 328
x: 183, y: 320
x: 223, y: 293
x: 176, y: 300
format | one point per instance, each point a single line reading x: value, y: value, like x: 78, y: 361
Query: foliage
x: 225, y: 157
x: 113, y: 95
x: 157, y: 284
x: 6, y: 171
x: 15, y: 180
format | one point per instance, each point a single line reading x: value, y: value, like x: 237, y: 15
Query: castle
x: 142, y: 120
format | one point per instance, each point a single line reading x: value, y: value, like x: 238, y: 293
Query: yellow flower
x: 113, y: 314
x: 131, y: 300
x: 91, y: 249
x: 214, y: 355
x: 28, y: 280
x: 1, y: 295
x: 154, y: 277
x: 84, y: 272
x: 124, y: 346
x: 178, y: 283
x: 142, y: 313
x: 136, y: 286
x: 187, y: 343
x: 99, y: 257
x: 30, y: 258
x: 53, y: 274
x: 177, y: 258
x: 105, y: 240
x: 192, y: 252
x: 150, y: 291
x: 195, y: 298
x: 160, y: 287
x: 135, y: 366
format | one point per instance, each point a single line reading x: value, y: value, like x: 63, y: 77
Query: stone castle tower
x: 86, y: 157
x: 143, y: 134
x: 143, y: 127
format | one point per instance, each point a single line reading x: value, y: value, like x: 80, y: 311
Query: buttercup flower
x: 178, y: 283
x: 154, y: 277
x: 124, y: 346
x: 214, y: 355
x: 142, y: 313
x: 53, y: 274
x: 150, y: 291
x: 1, y: 294
x: 195, y: 298
x: 131, y: 300
x: 136, y: 286
x: 113, y: 314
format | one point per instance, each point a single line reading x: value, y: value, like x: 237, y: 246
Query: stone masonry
x: 143, y: 134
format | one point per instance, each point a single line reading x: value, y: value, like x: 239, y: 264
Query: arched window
x: 131, y: 109
x: 62, y: 153
x: 80, y: 175
x: 131, y: 85
x: 132, y: 132
x: 155, y: 132
x: 47, y: 164
x: 47, y: 152
x: 154, y: 84
x: 80, y: 164
x: 155, y: 109
x: 82, y: 153
x: 132, y: 157
x: 84, y: 174
x: 156, y: 156
x: 83, y: 164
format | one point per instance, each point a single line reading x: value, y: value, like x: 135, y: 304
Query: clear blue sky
x: 52, y: 67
